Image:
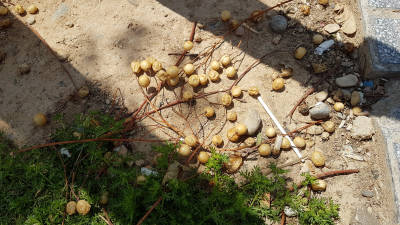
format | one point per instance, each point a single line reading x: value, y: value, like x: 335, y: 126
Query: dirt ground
x: 96, y: 41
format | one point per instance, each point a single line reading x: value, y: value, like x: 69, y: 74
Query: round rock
x: 320, y: 111
x: 278, y: 23
x: 347, y: 81
x: 252, y: 121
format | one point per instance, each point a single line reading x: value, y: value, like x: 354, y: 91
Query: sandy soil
x: 96, y: 41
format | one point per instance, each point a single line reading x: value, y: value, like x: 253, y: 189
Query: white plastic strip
x: 295, y: 149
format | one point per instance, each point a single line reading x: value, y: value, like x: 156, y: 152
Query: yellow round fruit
x: 71, y: 208
x: 19, y: 9
x: 318, y: 39
x: 203, y: 157
x: 234, y: 23
x: 187, y: 95
x: 144, y: 80
x: 83, y: 91
x: 213, y: 75
x: 194, y: 80
x: 188, y: 45
x: 270, y: 132
x: 323, y: 2
x: 226, y: 100
x: 203, y: 79
x: 225, y: 15
x: 338, y: 106
x: 285, y: 143
x: 329, y: 126
x: 286, y: 72
x: 156, y: 66
x: 145, y: 65
x: 232, y: 135
x: 278, y: 84
x: 173, y: 71
x: 318, y: 185
x: 140, y: 179
x: 191, y: 140
x: 275, y: 151
x: 162, y: 75
x: 217, y: 140
x: 209, y: 111
x: 32, y: 9
x: 188, y: 69
x: 241, y: 129
x: 184, y: 150
x: 253, y: 91
x: 264, y: 150
x: 231, y: 116
x: 172, y: 82
x: 3, y: 11
x: 40, y: 119
x: 300, y: 52
x: 225, y: 60
x: 215, y: 65
x: 318, y: 158
x: 83, y: 207
x: 135, y: 66
x: 236, y: 91
x: 299, y: 142
x: 230, y: 72
x: 151, y: 60
x: 250, y: 142
x: 305, y: 9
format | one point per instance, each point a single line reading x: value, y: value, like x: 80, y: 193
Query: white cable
x: 283, y: 131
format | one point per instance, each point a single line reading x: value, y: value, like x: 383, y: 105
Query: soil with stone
x: 96, y: 41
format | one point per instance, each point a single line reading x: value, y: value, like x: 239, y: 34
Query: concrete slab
x: 382, y: 45
x: 387, y: 115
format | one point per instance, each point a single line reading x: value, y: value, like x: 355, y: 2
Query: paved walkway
x: 382, y: 29
x: 387, y: 115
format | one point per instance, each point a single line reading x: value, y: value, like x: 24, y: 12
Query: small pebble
x: 278, y: 23
x: 347, y: 81
x: 332, y: 28
x: 321, y: 96
x: 325, y: 136
x: 24, y: 68
x: 289, y: 212
x: 320, y: 111
x: 30, y: 20
x: 367, y: 194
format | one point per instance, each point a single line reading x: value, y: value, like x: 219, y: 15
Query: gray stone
x: 332, y: 28
x: 347, y: 81
x: 384, y: 4
x: 320, y: 111
x: 30, y: 20
x: 61, y: 11
x: 363, y: 128
x: 122, y: 150
x: 321, y: 96
x: 252, y: 121
x: 367, y: 193
x: 278, y: 23
x: 289, y: 212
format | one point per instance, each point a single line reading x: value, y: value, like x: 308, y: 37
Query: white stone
x: 332, y: 28
x: 363, y: 128
x: 252, y: 121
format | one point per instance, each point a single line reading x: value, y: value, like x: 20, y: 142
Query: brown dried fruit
x: 234, y: 164
x: 83, y: 207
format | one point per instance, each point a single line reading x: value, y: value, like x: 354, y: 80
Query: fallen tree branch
x: 149, y: 211
x: 335, y: 173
